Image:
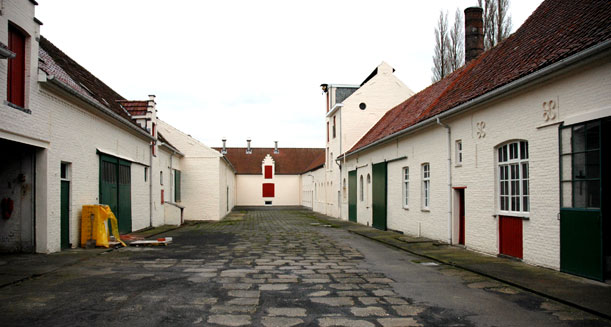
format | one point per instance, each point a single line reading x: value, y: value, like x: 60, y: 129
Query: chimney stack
x: 474, y: 33
x: 276, y: 151
x: 224, y: 150
x: 248, y: 149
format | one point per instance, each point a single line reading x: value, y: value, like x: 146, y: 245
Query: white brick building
x: 351, y: 111
x: 69, y: 140
x: 505, y: 155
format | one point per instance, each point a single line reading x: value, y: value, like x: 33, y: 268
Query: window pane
x: 567, y: 194
x: 579, y: 166
x: 523, y: 150
x: 579, y: 141
x: 586, y: 194
x: 566, y: 140
x: 592, y: 136
x: 592, y: 164
x: 567, y: 167
x: 525, y: 170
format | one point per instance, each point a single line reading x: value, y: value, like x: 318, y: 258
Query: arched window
x: 368, y: 186
x: 362, y: 194
x: 513, y: 177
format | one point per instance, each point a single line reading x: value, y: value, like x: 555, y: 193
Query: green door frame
x: 352, y: 195
x: 379, y: 194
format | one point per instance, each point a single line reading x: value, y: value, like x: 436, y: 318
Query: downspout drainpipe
x: 449, y: 179
x: 151, y: 186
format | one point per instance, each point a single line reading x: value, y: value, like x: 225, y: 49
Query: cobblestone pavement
x: 265, y: 268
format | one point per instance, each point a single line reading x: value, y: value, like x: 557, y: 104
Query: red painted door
x: 461, y: 217
x: 510, y: 236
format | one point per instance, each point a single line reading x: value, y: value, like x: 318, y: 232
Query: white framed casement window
x: 405, y: 187
x: 426, y: 186
x: 513, y: 188
x: 368, y: 188
x: 458, y: 152
x: 362, y: 194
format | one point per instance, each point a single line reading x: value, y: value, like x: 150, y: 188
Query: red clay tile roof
x: 290, y: 161
x: 556, y: 30
x: 135, y: 108
x: 55, y: 62
x: 317, y: 162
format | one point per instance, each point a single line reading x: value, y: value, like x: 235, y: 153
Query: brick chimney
x: 474, y: 33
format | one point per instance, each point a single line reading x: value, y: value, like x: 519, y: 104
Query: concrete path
x: 271, y: 268
x: 582, y: 293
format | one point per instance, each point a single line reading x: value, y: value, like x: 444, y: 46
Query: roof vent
x: 248, y: 149
x: 276, y: 150
x: 224, y: 150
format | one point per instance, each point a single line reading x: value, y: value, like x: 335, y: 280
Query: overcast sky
x: 241, y: 69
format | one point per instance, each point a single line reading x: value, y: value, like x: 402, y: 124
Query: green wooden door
x: 115, y: 189
x: 108, y: 182
x: 582, y: 188
x: 378, y: 198
x: 352, y: 195
x: 124, y: 203
x: 64, y: 214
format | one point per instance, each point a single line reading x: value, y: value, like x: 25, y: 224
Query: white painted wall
x: 250, y: 190
x: 380, y: 94
x: 75, y: 134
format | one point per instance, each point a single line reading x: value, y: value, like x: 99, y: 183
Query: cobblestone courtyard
x: 271, y: 268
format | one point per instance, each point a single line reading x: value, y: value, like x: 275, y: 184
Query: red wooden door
x: 510, y: 236
x: 16, y: 68
x: 461, y: 217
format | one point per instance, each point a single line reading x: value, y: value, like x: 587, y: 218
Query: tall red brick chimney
x: 474, y: 33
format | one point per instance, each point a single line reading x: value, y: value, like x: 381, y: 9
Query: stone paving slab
x: 267, y: 268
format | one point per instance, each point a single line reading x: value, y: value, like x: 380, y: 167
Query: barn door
x: 379, y: 195
x: 352, y: 195
x: 125, y: 201
x: 115, y: 189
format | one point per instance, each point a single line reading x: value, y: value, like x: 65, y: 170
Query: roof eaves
x: 578, y: 59
x: 51, y: 79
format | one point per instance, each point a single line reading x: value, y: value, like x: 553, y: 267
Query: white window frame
x: 513, y: 189
x: 458, y: 152
x: 405, y: 184
x: 362, y: 194
x: 426, y: 186
x: 368, y: 188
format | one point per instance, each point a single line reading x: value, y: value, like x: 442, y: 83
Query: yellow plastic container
x: 93, y: 225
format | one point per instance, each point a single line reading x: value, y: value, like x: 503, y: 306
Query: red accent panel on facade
x: 510, y: 236
x: 268, y: 190
x: 15, y: 88
x: 162, y: 199
x: 268, y: 172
